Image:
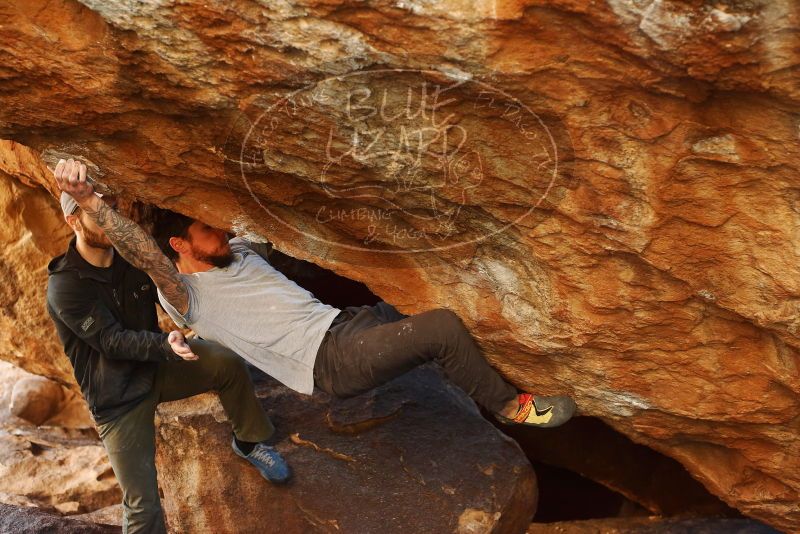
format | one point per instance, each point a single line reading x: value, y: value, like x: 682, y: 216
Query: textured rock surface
x: 653, y: 273
x: 32, y: 232
x: 110, y: 515
x: 412, y: 456
x: 653, y: 525
x: 20, y: 520
x: 59, y: 466
x: 62, y: 471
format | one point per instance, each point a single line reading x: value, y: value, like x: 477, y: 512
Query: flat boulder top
x: 412, y: 456
x: 20, y: 519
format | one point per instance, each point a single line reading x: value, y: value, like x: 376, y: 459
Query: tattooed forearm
x: 130, y: 240
x: 141, y: 251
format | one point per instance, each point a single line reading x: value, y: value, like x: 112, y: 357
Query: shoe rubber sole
x: 548, y: 412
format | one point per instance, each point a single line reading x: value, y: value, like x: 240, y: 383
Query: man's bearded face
x: 219, y: 259
x: 93, y: 235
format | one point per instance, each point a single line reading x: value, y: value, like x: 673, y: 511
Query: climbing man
x: 227, y: 292
x: 104, y: 311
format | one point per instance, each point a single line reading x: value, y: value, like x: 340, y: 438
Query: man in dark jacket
x: 104, y: 312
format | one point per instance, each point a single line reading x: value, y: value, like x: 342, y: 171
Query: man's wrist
x: 91, y: 204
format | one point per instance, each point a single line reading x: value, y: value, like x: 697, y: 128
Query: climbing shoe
x: 268, y: 461
x: 541, y: 411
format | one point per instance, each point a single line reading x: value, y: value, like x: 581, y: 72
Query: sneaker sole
x: 563, y: 410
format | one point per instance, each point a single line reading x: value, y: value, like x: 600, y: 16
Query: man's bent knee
x: 232, y: 368
x: 211, y: 349
x: 447, y: 318
x: 224, y: 363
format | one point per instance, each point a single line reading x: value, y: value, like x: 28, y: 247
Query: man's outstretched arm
x: 128, y: 238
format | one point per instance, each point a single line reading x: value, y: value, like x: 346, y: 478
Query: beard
x: 220, y: 260
x: 96, y: 239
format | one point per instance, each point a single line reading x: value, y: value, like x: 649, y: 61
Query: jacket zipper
x: 116, y: 298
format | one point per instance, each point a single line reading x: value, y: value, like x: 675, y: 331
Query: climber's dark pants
x: 129, y: 439
x: 367, y: 346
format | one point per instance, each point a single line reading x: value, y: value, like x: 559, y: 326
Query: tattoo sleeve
x: 141, y: 251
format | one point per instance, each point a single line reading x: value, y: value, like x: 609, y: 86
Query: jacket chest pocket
x: 133, y: 305
x: 141, y: 306
x: 143, y: 291
x: 112, y: 298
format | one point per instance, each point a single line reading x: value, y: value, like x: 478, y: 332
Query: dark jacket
x: 106, y: 319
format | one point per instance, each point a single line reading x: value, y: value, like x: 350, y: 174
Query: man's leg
x: 129, y: 441
x: 222, y: 370
x: 378, y: 344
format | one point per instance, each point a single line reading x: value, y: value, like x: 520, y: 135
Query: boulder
x: 73, y: 411
x: 36, y: 399
x: 10, y: 375
x: 606, y: 192
x: 412, y: 456
x: 40, y: 400
x: 27, y: 398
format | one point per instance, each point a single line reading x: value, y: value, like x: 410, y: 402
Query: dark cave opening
x: 588, y: 470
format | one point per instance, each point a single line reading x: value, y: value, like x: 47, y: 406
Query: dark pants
x: 129, y: 439
x: 367, y: 346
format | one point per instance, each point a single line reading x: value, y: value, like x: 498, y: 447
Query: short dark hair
x: 167, y: 224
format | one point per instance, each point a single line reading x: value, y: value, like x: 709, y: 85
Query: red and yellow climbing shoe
x: 541, y: 411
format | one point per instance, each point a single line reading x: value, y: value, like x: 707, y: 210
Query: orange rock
x: 32, y: 232
x: 36, y: 399
x: 618, y: 181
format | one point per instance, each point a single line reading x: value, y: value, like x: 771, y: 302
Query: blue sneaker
x: 268, y: 461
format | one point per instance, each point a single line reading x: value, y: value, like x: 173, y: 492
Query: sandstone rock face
x: 412, y: 456
x: 606, y: 192
x: 32, y: 232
